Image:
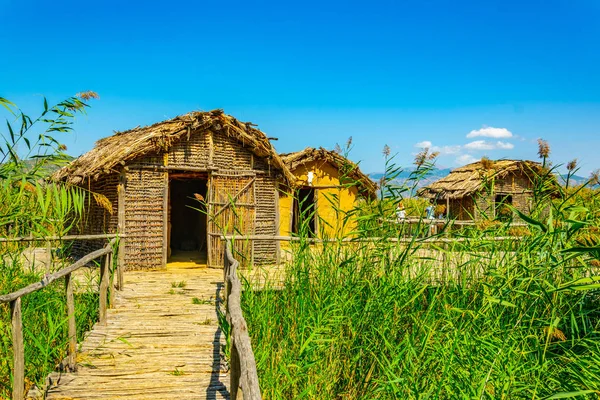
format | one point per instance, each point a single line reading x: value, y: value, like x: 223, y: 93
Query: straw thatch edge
x: 364, y: 184
x: 113, y: 152
x: 470, y: 179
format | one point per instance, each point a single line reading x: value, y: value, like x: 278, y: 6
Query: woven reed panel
x: 461, y: 209
x: 149, y: 159
x: 97, y: 219
x: 261, y: 164
x: 265, y: 251
x: 513, y: 183
x: 230, y: 154
x: 144, y: 219
x: 484, y: 206
x: 191, y: 153
x: 227, y: 219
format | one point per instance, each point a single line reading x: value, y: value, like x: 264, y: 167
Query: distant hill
x: 573, y: 181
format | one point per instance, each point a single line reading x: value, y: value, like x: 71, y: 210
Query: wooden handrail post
x: 120, y: 263
x: 226, y: 266
x: 72, y: 349
x: 18, y: 388
x: 49, y: 255
x: 234, y: 371
x: 112, y: 275
x: 104, y: 276
x: 121, y: 228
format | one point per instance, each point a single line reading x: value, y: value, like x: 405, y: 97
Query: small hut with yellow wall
x: 328, y: 185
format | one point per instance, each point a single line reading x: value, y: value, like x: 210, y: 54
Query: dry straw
x: 113, y: 152
x: 349, y: 169
x: 471, y: 178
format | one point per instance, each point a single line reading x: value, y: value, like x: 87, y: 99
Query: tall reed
x: 31, y: 205
x: 474, y: 319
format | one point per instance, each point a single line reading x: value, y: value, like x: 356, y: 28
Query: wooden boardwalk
x: 161, y: 341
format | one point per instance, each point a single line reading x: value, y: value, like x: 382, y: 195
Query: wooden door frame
x: 208, y: 216
x: 166, y: 194
x: 167, y: 214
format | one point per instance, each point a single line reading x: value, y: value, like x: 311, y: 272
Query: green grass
x: 367, y: 320
x: 44, y: 325
x: 197, y: 301
x: 351, y: 327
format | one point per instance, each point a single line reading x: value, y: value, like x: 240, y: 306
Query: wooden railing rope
x: 243, y: 375
x: 14, y: 299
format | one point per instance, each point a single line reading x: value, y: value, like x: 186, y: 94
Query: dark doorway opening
x: 304, y: 212
x: 503, y: 210
x: 187, y: 218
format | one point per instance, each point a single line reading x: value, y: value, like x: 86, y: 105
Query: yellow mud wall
x: 285, y: 209
x: 333, y: 202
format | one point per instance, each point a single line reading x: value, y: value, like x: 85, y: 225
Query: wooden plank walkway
x: 161, y: 341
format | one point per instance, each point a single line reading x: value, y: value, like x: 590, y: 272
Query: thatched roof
x: 467, y: 180
x: 347, y: 168
x: 114, y: 151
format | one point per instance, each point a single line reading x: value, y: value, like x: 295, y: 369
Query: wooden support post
x: 278, y: 243
x: 72, y: 349
x: 226, y: 276
x: 165, y: 249
x: 49, y: 255
x: 211, y: 148
x: 111, y: 278
x: 316, y: 214
x: 121, y: 230
x: 18, y: 351
x: 104, y: 275
x: 293, y: 198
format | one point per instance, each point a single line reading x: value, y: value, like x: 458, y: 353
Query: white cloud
x: 465, y: 159
x: 443, y: 150
x: 479, y: 145
x: 483, y: 145
x: 425, y: 144
x: 447, y: 149
x: 504, y: 145
x: 489, y: 131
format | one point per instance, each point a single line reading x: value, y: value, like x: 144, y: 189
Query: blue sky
x: 404, y: 73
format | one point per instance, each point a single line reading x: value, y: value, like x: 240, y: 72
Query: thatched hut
x: 327, y: 185
x: 176, y: 186
x: 483, y: 189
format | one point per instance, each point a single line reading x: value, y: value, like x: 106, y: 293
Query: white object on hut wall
x: 310, y: 176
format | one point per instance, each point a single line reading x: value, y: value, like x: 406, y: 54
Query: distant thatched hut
x: 155, y: 174
x: 483, y: 189
x: 326, y: 183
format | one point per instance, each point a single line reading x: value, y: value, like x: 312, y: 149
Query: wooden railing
x: 443, y: 221
x: 15, y: 309
x: 242, y: 372
x: 365, y: 239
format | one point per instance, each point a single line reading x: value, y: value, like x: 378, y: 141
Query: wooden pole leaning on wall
x: 72, y: 346
x: 18, y: 392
